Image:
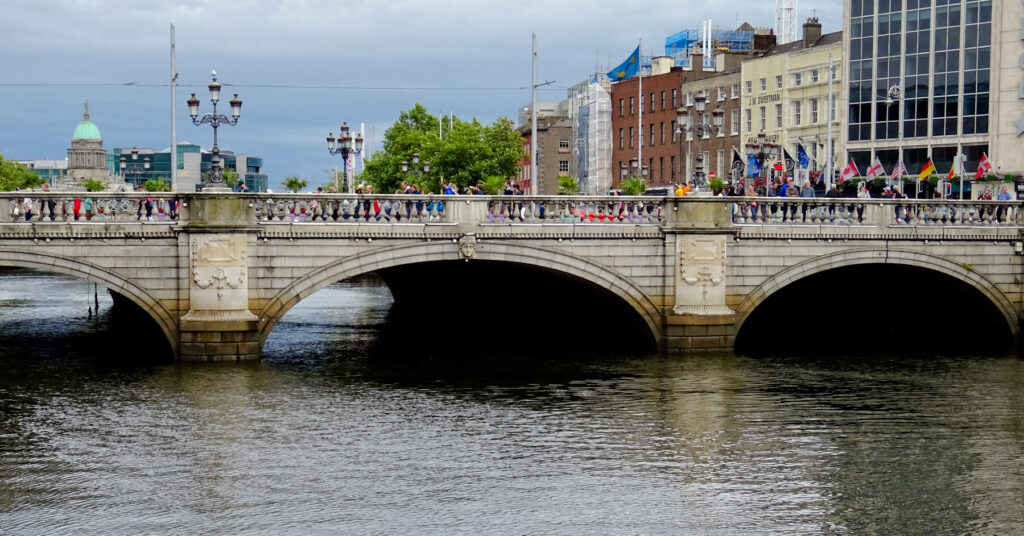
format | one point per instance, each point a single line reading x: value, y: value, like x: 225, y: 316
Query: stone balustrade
x: 165, y: 207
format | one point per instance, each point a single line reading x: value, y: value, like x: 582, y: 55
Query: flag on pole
x: 983, y: 167
x: 753, y: 166
x: 876, y: 170
x: 952, y: 172
x: 628, y: 68
x: 928, y: 169
x: 801, y: 154
x: 898, y: 171
x: 849, y: 172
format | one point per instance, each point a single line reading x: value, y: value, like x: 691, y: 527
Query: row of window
x: 722, y: 93
x: 812, y: 76
x: 813, y: 116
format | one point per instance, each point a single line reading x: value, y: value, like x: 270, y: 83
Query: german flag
x: 928, y: 170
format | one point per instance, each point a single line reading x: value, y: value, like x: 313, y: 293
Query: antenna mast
x: 785, y: 21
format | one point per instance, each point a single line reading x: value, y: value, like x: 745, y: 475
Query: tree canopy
x: 466, y: 153
x: 14, y: 176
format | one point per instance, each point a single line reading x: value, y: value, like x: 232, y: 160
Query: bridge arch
x: 97, y: 274
x: 877, y: 256
x: 499, y: 251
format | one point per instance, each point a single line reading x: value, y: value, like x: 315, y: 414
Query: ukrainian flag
x: 628, y: 68
x: 928, y: 169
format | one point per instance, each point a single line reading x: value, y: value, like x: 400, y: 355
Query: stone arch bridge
x: 217, y: 271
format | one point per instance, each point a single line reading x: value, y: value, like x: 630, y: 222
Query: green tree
x: 92, y: 185
x: 156, y: 185
x: 633, y: 186
x: 14, y: 176
x: 294, y: 184
x: 568, y: 186
x: 468, y: 152
x: 494, y: 185
x: 230, y: 177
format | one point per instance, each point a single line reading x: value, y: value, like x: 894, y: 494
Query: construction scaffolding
x: 681, y: 45
x: 593, y: 140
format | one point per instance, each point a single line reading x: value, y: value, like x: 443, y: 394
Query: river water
x: 328, y: 435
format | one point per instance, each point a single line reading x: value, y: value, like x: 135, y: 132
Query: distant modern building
x: 929, y: 80
x: 52, y: 171
x: 142, y: 164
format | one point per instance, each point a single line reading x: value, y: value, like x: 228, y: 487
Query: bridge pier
x: 218, y: 325
x: 699, y: 319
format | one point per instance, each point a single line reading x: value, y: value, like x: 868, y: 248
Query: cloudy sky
x: 304, y: 66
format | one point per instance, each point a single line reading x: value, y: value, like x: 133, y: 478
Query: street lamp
x: 215, y: 120
x: 134, y: 167
x: 700, y: 128
x: 895, y: 95
x: 346, y: 147
x: 416, y: 170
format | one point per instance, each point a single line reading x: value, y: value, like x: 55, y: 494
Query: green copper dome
x: 86, y: 130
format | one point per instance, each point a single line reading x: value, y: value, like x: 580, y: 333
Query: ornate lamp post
x: 346, y: 146
x: 895, y: 95
x: 133, y: 169
x: 699, y: 128
x: 215, y: 120
x: 415, y: 169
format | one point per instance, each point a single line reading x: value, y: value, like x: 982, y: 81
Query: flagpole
x: 533, y: 122
x: 959, y: 158
x: 640, y: 101
x: 829, y: 157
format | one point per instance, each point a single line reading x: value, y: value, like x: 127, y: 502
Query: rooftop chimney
x: 812, y: 31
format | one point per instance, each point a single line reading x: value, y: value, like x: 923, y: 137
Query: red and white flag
x: 849, y: 172
x: 983, y: 167
x: 898, y: 171
x: 876, y: 170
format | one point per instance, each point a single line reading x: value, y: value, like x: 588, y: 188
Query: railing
x: 871, y: 211
x: 64, y: 207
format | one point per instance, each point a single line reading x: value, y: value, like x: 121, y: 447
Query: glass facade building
x: 919, y: 79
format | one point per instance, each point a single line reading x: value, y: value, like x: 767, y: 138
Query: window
x: 764, y: 85
x: 563, y: 166
x: 651, y: 101
x: 661, y: 168
x: 620, y: 107
x: 630, y: 137
x: 689, y: 98
x: 721, y: 93
x: 778, y: 116
x: 734, y: 122
x: 814, y: 111
x: 778, y: 81
x: 748, y: 123
x: 796, y: 113
x: 672, y: 127
x: 663, y: 133
x: 673, y: 170
x: 797, y: 79
x: 814, y: 76
x: 833, y: 72
x: 662, y: 100
x: 720, y: 168
x: 735, y: 91
x: 620, y: 138
x: 674, y: 104
x: 563, y: 145
x: 651, y: 137
x: 631, y: 103
x: 764, y: 125
x: 750, y: 87
x: 832, y: 113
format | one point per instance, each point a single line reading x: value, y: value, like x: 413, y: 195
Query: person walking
x: 806, y: 191
x: 832, y: 193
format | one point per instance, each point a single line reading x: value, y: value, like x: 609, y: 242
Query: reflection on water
x: 329, y: 435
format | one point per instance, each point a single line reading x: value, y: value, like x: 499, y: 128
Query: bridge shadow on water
x: 876, y: 309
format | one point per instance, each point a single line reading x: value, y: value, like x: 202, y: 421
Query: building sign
x: 773, y: 138
x: 765, y: 99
